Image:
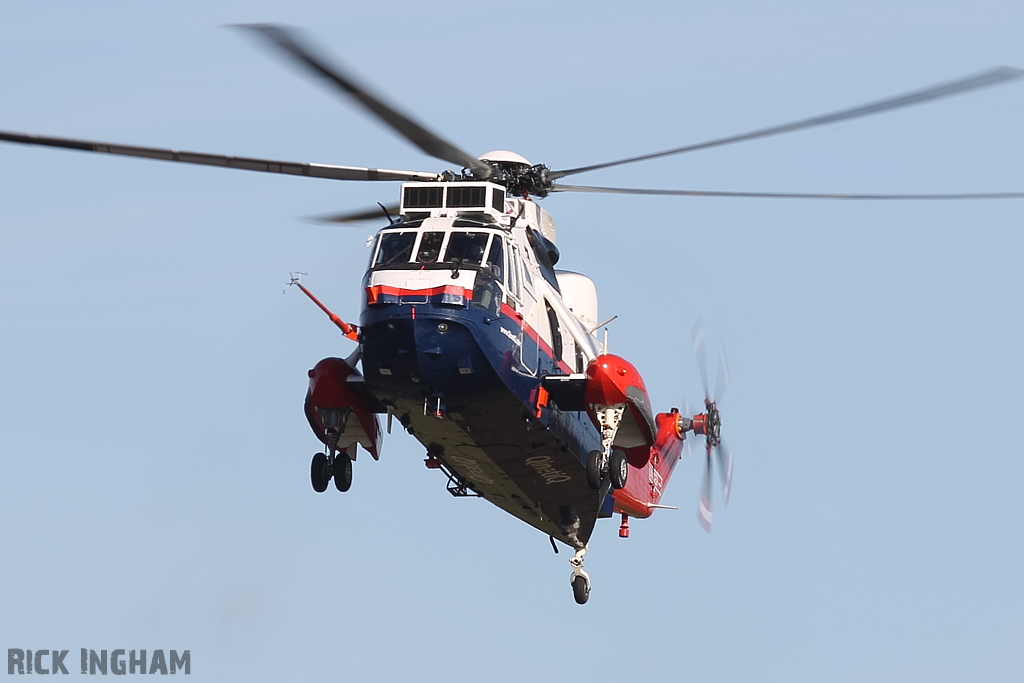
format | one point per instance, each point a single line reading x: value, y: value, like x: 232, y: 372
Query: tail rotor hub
x: 709, y: 424
x: 712, y: 423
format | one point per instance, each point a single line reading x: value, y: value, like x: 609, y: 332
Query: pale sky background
x: 155, y: 459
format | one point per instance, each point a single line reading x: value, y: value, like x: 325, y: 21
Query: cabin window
x: 395, y: 248
x: 527, y: 278
x: 430, y: 247
x: 496, y: 259
x: 487, y: 293
x: 513, y: 271
x: 556, y: 333
x: 466, y: 248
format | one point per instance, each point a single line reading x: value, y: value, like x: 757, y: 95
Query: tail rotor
x: 709, y: 424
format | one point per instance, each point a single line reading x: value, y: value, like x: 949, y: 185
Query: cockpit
x: 475, y: 258
x: 455, y: 248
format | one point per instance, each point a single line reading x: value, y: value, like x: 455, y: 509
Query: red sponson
x: 327, y: 386
x: 327, y: 389
x: 607, y: 379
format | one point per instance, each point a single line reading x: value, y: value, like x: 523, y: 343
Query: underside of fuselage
x: 456, y: 379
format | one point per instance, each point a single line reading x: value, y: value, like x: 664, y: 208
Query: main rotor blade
x: 429, y: 142
x: 363, y: 215
x: 785, y: 195
x: 223, y: 160
x: 992, y: 77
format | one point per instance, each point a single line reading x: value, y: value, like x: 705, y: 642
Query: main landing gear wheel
x: 595, y: 468
x: 616, y: 466
x: 318, y: 473
x: 618, y: 469
x: 343, y: 472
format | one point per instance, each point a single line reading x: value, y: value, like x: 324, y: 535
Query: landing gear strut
x: 579, y: 579
x: 607, y: 460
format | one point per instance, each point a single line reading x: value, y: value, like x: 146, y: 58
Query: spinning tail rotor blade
x: 709, y: 424
x: 992, y: 77
x: 428, y: 141
x: 704, y: 508
x: 725, y: 469
x: 722, y: 380
x: 698, y: 350
x: 787, y: 195
x: 223, y: 160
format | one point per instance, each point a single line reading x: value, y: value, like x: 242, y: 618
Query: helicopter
x: 482, y: 349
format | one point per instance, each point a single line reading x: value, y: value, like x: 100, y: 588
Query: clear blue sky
x: 154, y: 453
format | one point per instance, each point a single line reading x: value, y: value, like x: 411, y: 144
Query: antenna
x: 348, y: 330
x: 598, y: 326
x: 294, y: 279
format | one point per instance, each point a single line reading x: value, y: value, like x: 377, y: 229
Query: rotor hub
x: 520, y: 179
x: 713, y: 424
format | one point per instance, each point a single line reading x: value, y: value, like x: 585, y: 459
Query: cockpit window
x: 395, y: 248
x: 496, y: 259
x: 430, y: 247
x: 466, y: 248
x: 415, y: 249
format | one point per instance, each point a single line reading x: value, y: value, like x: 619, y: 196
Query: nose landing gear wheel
x: 580, y: 589
x: 318, y: 473
x: 342, y: 472
x: 579, y: 579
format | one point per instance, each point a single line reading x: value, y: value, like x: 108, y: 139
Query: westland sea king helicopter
x: 484, y: 351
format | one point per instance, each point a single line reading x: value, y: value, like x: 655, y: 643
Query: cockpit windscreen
x: 466, y: 247
x: 463, y: 248
x: 395, y: 248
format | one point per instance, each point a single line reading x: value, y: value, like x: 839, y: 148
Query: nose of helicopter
x: 409, y: 358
